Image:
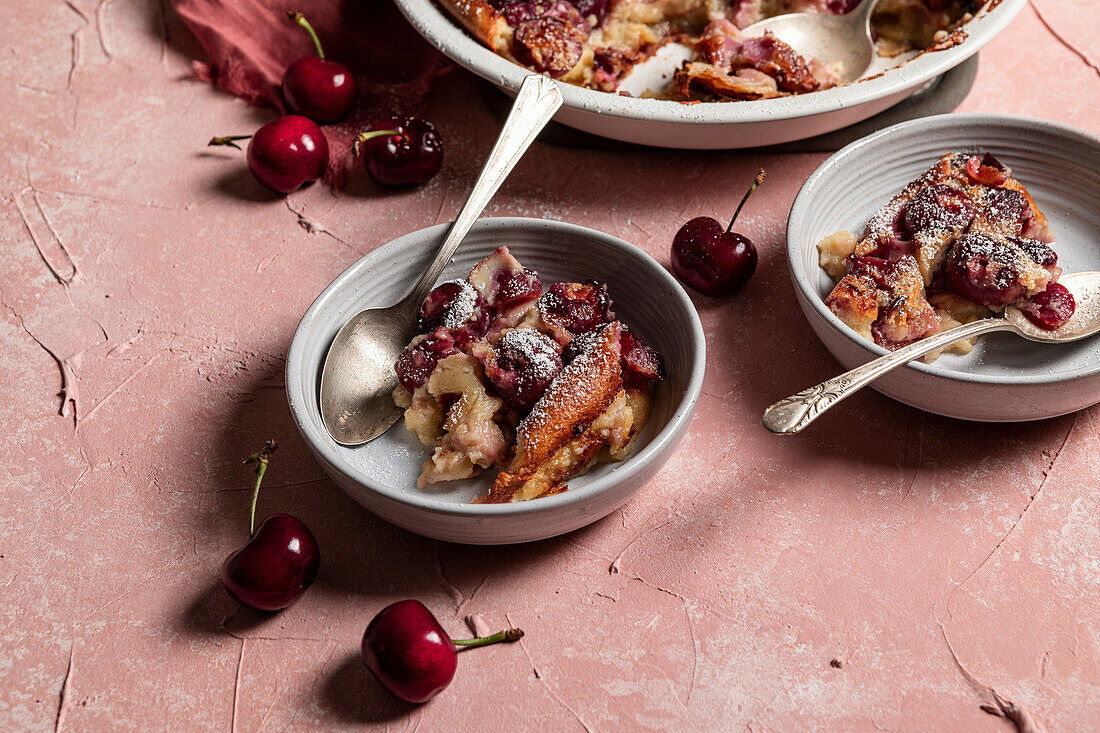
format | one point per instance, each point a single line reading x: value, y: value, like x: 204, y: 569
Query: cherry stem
x: 301, y: 20
x: 261, y: 459
x: 755, y: 183
x: 508, y: 635
x: 357, y: 145
x: 230, y: 140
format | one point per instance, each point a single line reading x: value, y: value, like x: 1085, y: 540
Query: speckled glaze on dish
x: 381, y: 475
x: 1004, y: 378
x: 718, y: 125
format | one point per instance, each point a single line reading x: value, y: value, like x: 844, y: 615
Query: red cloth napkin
x: 251, y: 42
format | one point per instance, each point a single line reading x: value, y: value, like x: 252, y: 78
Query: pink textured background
x: 163, y: 285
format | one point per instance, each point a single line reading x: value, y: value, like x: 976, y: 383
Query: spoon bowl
x: 1085, y: 321
x: 842, y: 42
x: 358, y: 378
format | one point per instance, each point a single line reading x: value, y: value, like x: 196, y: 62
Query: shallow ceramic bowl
x: 1004, y: 378
x: 717, y: 125
x: 381, y: 475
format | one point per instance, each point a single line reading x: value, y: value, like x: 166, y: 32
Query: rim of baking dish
x: 624, y: 472
x: 455, y: 43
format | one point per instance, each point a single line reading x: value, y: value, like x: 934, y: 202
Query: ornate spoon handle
x: 793, y: 414
x: 537, y: 101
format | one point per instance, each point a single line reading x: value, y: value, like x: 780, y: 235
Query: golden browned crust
x: 854, y: 300
x: 700, y: 77
x: 483, y: 21
x: 1039, y: 220
x: 549, y: 478
x: 580, y: 394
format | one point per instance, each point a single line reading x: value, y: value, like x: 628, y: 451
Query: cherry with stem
x: 400, y: 151
x: 410, y: 653
x: 323, y: 90
x: 283, y: 155
x: 281, y: 558
x: 713, y: 260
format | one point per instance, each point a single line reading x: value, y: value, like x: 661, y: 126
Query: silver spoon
x: 841, y: 41
x: 358, y: 379
x: 791, y: 415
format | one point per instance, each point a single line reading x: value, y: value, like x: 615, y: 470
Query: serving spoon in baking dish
x: 842, y: 42
x: 358, y: 377
x: 793, y: 414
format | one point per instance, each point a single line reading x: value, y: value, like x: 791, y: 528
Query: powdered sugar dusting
x: 571, y: 385
x: 1005, y: 208
x: 461, y: 309
x: 882, y: 225
x: 584, y: 342
x: 1002, y: 252
x: 535, y: 349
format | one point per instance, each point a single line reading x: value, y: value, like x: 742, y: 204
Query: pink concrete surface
x: 156, y: 286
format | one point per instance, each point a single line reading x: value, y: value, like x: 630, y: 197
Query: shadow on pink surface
x: 742, y: 569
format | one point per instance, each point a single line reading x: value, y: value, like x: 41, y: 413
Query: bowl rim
x: 455, y: 43
x: 1029, y: 127
x: 624, y: 471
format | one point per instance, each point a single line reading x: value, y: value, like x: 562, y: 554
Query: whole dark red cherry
x: 322, y: 90
x: 526, y: 362
x: 279, y: 561
x: 401, y: 151
x: 411, y: 655
x: 713, y: 260
x: 275, y: 566
x: 286, y: 154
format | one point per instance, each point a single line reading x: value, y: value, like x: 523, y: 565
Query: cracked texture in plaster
x: 745, y: 567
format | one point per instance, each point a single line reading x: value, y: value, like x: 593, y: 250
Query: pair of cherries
x: 404, y: 646
x: 292, y: 151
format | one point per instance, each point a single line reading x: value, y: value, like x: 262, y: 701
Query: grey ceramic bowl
x: 381, y: 475
x: 1004, y: 378
x: 718, y: 125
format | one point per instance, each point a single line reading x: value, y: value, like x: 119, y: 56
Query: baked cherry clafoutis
x: 595, y: 43
x: 540, y: 382
x: 959, y: 243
